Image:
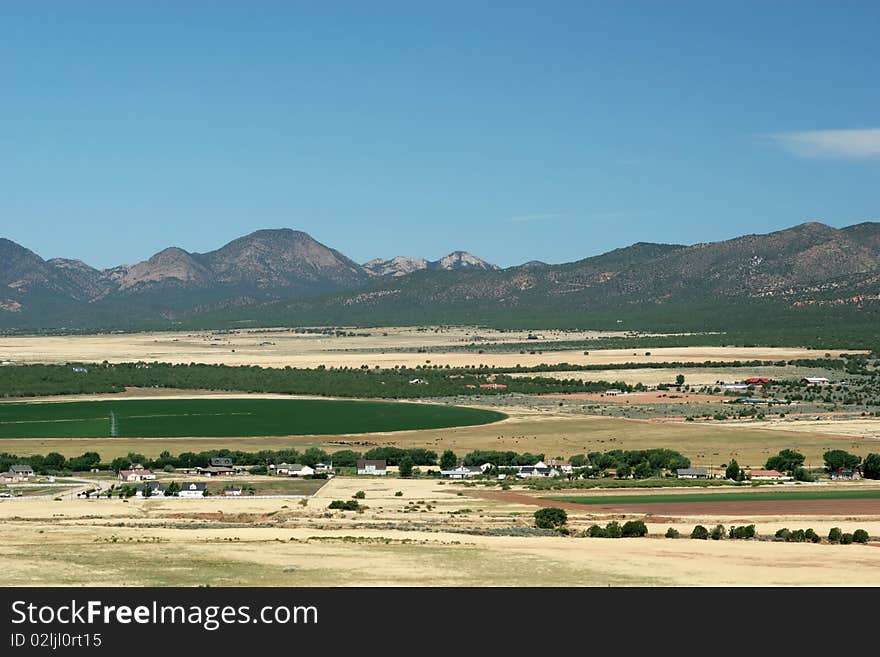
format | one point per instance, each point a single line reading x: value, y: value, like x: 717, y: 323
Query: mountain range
x: 285, y: 276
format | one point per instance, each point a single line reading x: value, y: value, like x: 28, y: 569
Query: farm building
x: 154, y: 487
x: 324, y: 467
x: 462, y: 472
x: 136, y: 475
x: 692, y: 473
x: 540, y: 469
x: 217, y: 467
x: 493, y: 386
x: 300, y: 470
x: 767, y: 475
x: 232, y: 491
x: 735, y: 386
x: 613, y: 392
x: 367, y: 467
x: 845, y: 475
x: 757, y: 380
x: 815, y: 381
x: 192, y: 489
x: 21, y: 471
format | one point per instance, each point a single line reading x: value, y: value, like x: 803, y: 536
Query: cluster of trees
x: 55, y: 463
x: 629, y: 529
x: 797, y: 536
x: 500, y: 459
x: 640, y: 463
x: 791, y: 462
x: 858, y: 536
x: 42, y: 380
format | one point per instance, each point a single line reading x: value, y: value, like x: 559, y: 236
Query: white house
x: 324, y: 467
x: 540, y: 469
x: 136, y: 475
x: 374, y: 467
x: 21, y: 471
x: 815, y: 381
x: 767, y: 475
x: 232, y: 491
x: 613, y: 392
x: 156, y: 489
x: 300, y: 470
x: 462, y: 472
x: 192, y: 489
x: 692, y: 473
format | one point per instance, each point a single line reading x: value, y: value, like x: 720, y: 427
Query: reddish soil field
x: 854, y: 507
x: 658, y: 397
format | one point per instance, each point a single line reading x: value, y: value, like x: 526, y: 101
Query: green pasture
x: 158, y: 418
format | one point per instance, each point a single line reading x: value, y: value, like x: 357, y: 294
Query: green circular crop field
x: 240, y: 417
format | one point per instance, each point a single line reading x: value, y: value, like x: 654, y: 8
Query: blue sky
x: 515, y: 130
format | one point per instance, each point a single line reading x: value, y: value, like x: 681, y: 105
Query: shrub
x: 834, y: 535
x: 345, y: 505
x: 742, y: 532
x: 797, y: 536
x: 550, y: 518
x: 846, y: 539
x: 359, y: 495
x: 812, y: 536
x: 783, y: 534
x: 672, y: 532
x: 595, y: 531
x: 717, y: 533
x: 860, y: 536
x: 398, y: 493
x: 613, y: 529
x: 700, y: 532
x: 634, y: 528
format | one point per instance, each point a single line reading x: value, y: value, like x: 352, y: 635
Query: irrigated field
x: 206, y: 417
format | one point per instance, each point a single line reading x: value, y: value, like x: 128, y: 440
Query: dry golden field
x: 423, y: 538
x: 282, y: 348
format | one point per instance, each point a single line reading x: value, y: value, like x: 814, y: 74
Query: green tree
x: 595, y: 531
x: 448, y: 460
x: 717, y: 533
x: 613, y: 529
x: 405, y: 467
x: 871, y: 467
x: 53, y: 461
x: 700, y: 532
x: 786, y: 461
x: 172, y: 489
x: 679, y: 380
x: 634, y: 528
x: 846, y: 539
x: 550, y: 518
x: 732, y: 471
x: 359, y: 495
x: 834, y: 535
x: 838, y: 459
x: 860, y: 536
x: 147, y: 491
x: 672, y: 532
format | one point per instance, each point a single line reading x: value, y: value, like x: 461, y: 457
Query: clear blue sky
x: 515, y: 130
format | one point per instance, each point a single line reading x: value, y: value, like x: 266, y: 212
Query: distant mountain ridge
x: 402, y: 265
x: 285, y: 276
